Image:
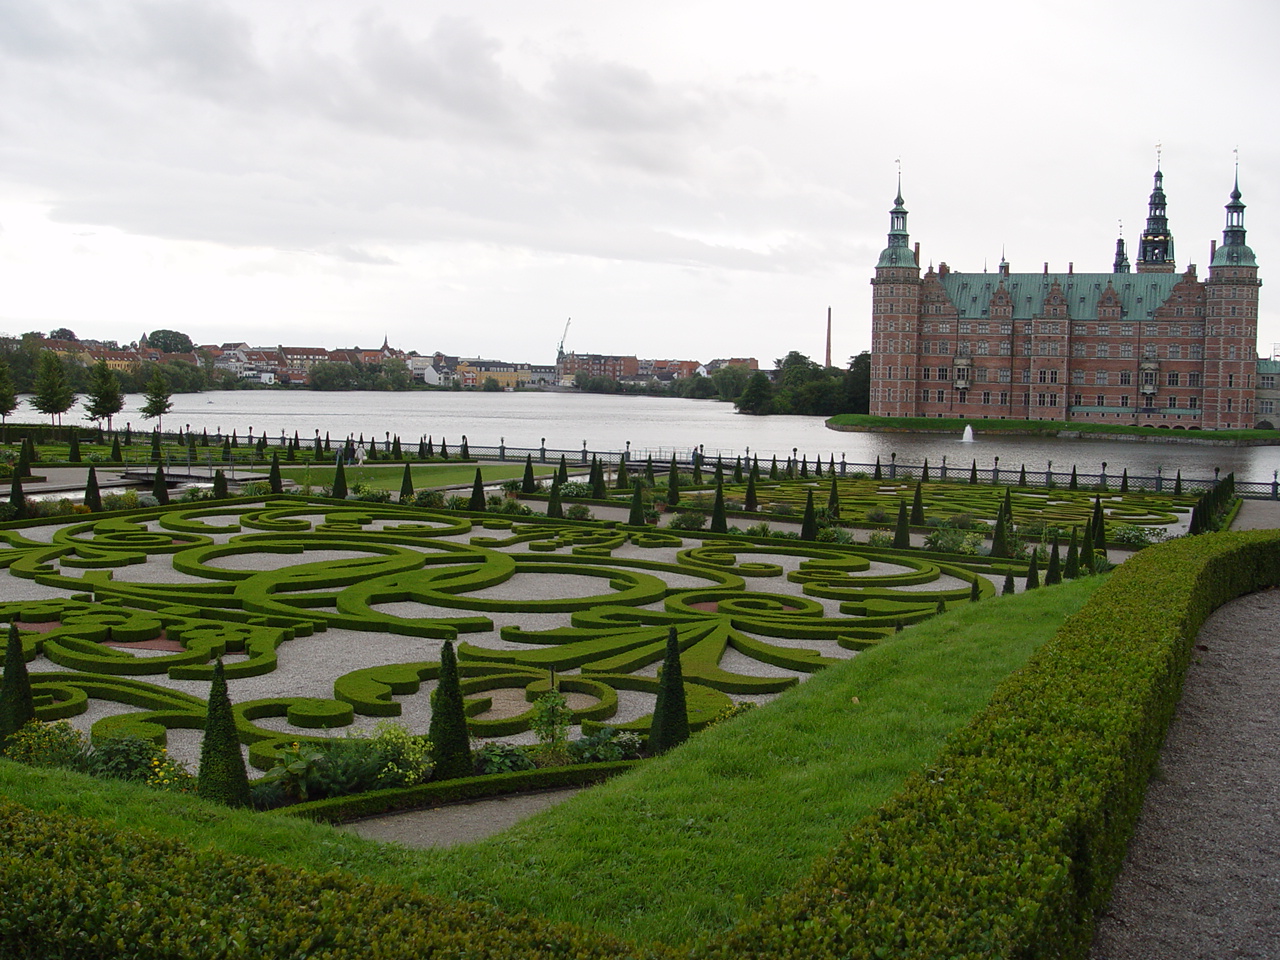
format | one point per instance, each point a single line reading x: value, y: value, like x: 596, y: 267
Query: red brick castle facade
x: 1152, y: 347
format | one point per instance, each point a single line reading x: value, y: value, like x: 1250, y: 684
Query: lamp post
x: 995, y: 471
x: 944, y: 467
x: 1104, y: 474
x: 893, y: 465
x: 1048, y: 475
x: 542, y: 453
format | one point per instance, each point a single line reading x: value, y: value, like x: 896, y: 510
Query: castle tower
x: 1121, y: 264
x: 1155, y: 249
x: 1231, y: 326
x: 895, y: 319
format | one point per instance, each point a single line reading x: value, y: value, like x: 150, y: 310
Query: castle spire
x: 1155, y: 249
x: 1234, y: 250
x: 897, y: 253
x: 1121, y: 264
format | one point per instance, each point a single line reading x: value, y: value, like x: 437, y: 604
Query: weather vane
x: 1159, y: 147
x: 1121, y: 222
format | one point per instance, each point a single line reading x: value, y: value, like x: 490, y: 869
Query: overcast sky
x: 684, y: 179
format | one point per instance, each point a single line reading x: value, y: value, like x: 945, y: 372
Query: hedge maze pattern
x: 589, y: 603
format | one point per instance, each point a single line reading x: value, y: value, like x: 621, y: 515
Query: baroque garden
x: 943, y: 785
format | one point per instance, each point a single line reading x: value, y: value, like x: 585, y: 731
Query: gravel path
x: 1202, y: 876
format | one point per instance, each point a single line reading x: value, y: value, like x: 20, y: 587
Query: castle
x: 1145, y: 345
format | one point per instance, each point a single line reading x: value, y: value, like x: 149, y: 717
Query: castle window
x: 941, y: 396
x: 1102, y: 351
x: 944, y: 372
x: 1004, y: 398
x: 1100, y: 377
x: 983, y: 348
x: 1101, y: 401
x: 1197, y: 351
x: 983, y: 328
x: 1126, y: 378
x: 1172, y: 378
x: 1077, y: 376
x: 1006, y: 348
x: 1193, y: 403
x: 1173, y: 401
x: 1077, y: 349
x: 1149, y: 351
x: 1006, y: 328
x: 1231, y: 379
x: 1229, y: 405
x: 1177, y: 312
x: 1124, y: 400
x: 924, y: 373
x: 1026, y: 348
x: 1044, y: 376
x: 1267, y: 382
x: 1266, y: 406
x: 1175, y: 352
x: 1078, y: 400
x: 1104, y: 329
x: 1053, y: 376
x: 1005, y: 376
x: 964, y: 326
x: 1231, y: 352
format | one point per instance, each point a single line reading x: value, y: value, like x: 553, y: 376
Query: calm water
x: 657, y: 426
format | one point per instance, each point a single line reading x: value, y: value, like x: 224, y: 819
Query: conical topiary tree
x: 1053, y: 572
x: 1033, y: 571
x: 917, y: 508
x: 339, y: 491
x: 562, y: 474
x: 1008, y: 587
x: 406, y: 484
x: 160, y: 489
x: 636, y: 518
x: 528, y: 483
x: 1022, y: 476
x: 924, y: 472
x: 274, y: 481
x: 973, y: 472
x: 1000, y: 536
x: 444, y: 449
x: 649, y: 479
x: 752, y: 500
x: 773, y: 469
x: 975, y: 592
x: 92, y: 495
x: 809, y: 525
x: 1177, y: 485
x: 1071, y: 569
x: 1124, y: 480
x: 450, y: 745
x: 219, y: 485
x: 73, y: 449
x: 623, y: 480
x: 555, y: 509
x: 155, y: 446
x: 877, y: 475
x: 670, y: 726
x: 833, y: 499
x: 116, y: 456
x: 17, y: 706
x: 737, y: 470
x: 222, y: 777
x: 1086, y: 551
x: 817, y: 466
x: 673, y: 484
x: 1099, y: 528
x: 598, y: 489
x: 476, y: 503
x: 17, y: 499
x: 1074, y: 484
x: 719, y: 523
x: 902, y: 533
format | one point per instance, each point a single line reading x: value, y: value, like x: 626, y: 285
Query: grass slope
x: 690, y: 843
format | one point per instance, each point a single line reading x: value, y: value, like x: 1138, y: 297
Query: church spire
x: 1155, y: 249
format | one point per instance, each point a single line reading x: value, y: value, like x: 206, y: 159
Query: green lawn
x: 687, y: 844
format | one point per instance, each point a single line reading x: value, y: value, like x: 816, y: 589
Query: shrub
x: 578, y: 511
x: 670, y: 726
x: 688, y: 520
x: 123, y: 758
x: 1133, y: 535
x: 430, y: 499
x: 17, y: 707
x: 575, y: 488
x: 495, y: 757
x: 222, y: 774
x: 606, y: 745
x: 57, y: 744
x: 550, y: 723
x: 880, y: 538
x: 450, y: 748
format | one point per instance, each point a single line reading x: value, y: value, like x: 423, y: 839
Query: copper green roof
x: 1140, y: 293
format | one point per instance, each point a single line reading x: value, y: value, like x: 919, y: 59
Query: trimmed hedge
x: 1009, y: 844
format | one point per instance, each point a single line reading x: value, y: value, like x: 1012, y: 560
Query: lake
x: 657, y: 426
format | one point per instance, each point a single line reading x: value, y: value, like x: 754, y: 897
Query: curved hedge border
x: 1008, y: 846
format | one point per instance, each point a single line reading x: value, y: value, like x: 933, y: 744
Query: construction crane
x: 560, y: 348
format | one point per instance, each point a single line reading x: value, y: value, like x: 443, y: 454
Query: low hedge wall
x: 341, y: 809
x: 1009, y: 844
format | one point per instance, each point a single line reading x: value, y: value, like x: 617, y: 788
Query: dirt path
x: 1202, y: 876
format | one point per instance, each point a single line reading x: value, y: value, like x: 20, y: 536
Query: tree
x: 158, y: 399
x: 92, y: 495
x: 1053, y: 573
x: 104, y: 398
x: 1008, y: 588
x: 752, y: 500
x: 476, y: 503
x: 562, y: 474
x: 731, y: 380
x: 1072, y: 569
x: 636, y: 517
x: 63, y: 333
x: 17, y: 706
x: 274, y: 480
x: 406, y: 485
x: 222, y: 776
x: 170, y: 341
x: 8, y: 392
x: 450, y: 747
x: 757, y: 398
x: 53, y: 392
x: 673, y: 483
x: 528, y: 483
x: 339, y: 491
x: 160, y: 489
x: 1033, y: 572
x: 670, y: 724
x: 809, y: 525
x: 902, y: 531
x: 491, y: 385
x: 555, y: 509
x: 719, y: 523
x: 219, y: 485
x: 17, y: 499
x: 917, y: 508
